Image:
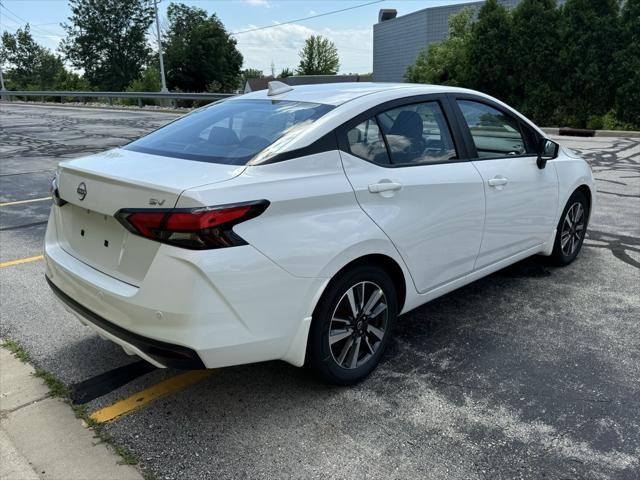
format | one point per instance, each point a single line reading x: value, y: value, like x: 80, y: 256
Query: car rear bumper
x: 193, y: 309
x: 161, y: 354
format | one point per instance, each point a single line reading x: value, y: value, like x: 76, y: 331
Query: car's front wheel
x: 352, y: 325
x: 571, y: 229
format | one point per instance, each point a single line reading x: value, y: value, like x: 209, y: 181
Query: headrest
x: 223, y: 136
x: 408, y: 124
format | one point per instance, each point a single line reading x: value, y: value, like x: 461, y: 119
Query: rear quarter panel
x: 313, y: 226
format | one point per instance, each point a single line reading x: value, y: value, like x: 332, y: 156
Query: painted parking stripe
x: 19, y: 261
x: 149, y: 395
x: 21, y: 202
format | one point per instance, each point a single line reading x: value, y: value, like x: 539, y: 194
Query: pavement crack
x: 5, y: 413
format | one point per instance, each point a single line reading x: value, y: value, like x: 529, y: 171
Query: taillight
x: 55, y: 194
x: 194, y: 228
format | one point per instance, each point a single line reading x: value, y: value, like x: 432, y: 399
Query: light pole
x: 162, y: 79
x: 1, y: 85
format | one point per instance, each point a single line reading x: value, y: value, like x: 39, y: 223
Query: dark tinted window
x: 417, y: 134
x: 494, y: 133
x: 365, y: 141
x: 232, y: 132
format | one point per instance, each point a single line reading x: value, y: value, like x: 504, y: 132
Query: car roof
x: 339, y: 93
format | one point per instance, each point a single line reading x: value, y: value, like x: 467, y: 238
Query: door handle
x: 497, y: 181
x: 384, y: 187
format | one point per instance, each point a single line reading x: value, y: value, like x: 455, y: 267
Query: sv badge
x: 155, y: 201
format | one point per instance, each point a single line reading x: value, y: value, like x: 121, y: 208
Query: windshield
x: 231, y: 132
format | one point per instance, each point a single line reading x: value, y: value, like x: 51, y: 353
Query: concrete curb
x: 598, y: 133
x: 40, y: 437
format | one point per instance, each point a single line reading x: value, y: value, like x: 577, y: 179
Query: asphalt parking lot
x: 532, y: 372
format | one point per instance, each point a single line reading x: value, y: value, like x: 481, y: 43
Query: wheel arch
x: 586, y: 190
x: 297, y: 351
x: 388, y: 264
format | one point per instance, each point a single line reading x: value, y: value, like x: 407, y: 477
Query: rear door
x: 521, y: 199
x: 406, y: 167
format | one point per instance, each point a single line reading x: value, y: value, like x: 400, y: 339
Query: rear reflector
x: 194, y: 228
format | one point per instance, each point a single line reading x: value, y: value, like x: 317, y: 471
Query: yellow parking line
x: 10, y: 263
x: 174, y: 384
x: 20, y: 202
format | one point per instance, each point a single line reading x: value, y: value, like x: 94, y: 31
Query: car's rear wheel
x: 572, y: 229
x: 352, y: 325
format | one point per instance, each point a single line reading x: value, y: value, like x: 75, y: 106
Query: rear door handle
x: 497, y: 181
x: 384, y: 187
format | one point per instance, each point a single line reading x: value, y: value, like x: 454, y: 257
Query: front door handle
x: 384, y: 187
x: 497, y: 181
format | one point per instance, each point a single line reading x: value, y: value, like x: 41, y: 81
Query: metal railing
x: 8, y: 95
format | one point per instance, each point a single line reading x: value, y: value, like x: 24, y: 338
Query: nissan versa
x: 297, y: 223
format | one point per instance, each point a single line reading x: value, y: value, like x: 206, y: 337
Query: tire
x: 368, y: 335
x: 571, y: 230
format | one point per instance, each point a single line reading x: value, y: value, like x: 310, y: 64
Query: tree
x: 590, y: 35
x: 149, y: 81
x: 107, y: 39
x: 445, y: 63
x: 627, y: 66
x: 489, y: 60
x: 199, y: 53
x: 66, y: 80
x: 533, y: 51
x: 576, y: 65
x: 252, y: 73
x: 286, y: 72
x: 319, y: 56
x: 27, y: 64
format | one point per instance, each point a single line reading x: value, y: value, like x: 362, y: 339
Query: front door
x: 521, y: 199
x: 403, y: 165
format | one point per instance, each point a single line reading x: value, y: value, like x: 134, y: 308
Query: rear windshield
x: 231, y: 132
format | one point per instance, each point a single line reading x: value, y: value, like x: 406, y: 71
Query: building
x: 398, y: 40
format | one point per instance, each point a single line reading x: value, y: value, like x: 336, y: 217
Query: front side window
x: 417, y: 134
x: 494, y: 133
x: 231, y: 132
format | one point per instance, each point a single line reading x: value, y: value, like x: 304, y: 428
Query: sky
x: 351, y: 31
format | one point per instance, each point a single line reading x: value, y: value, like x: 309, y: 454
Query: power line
x: 41, y: 30
x: 307, y: 18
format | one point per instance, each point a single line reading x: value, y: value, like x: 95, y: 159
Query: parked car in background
x: 297, y: 223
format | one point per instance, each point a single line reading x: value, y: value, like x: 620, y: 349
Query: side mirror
x: 547, y: 150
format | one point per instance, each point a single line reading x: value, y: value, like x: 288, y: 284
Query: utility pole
x: 1, y: 80
x: 162, y: 79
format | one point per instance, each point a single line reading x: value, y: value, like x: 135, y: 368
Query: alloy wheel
x: 572, y: 229
x: 358, y: 325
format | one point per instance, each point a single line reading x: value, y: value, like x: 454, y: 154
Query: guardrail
x: 172, y: 96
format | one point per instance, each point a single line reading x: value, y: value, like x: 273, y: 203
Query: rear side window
x: 495, y: 134
x: 417, y: 134
x: 231, y: 132
x: 365, y: 141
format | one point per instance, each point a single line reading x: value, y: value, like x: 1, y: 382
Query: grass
x: 56, y: 387
x: 17, y: 351
x: 128, y: 457
x: 59, y: 390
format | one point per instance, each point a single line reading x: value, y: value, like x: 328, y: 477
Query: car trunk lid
x: 97, y: 187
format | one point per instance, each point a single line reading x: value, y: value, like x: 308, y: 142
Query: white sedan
x: 298, y: 223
